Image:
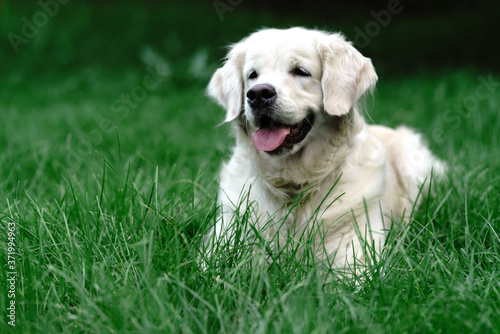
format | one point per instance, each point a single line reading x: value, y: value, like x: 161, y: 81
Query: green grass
x: 110, y: 208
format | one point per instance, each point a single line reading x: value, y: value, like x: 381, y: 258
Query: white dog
x: 303, y: 149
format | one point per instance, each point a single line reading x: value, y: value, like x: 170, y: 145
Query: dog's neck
x: 302, y: 171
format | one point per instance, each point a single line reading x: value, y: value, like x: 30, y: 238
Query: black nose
x: 261, y: 95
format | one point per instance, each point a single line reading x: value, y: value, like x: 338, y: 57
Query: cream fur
x: 375, y: 166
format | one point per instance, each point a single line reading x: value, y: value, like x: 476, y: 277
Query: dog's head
x: 285, y: 82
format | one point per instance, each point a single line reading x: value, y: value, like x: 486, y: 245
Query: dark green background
x: 424, y: 35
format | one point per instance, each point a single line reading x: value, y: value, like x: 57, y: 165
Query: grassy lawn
x: 108, y: 174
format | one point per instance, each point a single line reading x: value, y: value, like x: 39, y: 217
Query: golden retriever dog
x: 304, y: 154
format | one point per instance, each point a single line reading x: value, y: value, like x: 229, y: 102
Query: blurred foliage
x: 192, y: 34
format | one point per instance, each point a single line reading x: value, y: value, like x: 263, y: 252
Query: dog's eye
x: 299, y: 71
x: 253, y: 75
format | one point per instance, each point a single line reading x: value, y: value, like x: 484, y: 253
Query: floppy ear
x: 347, y: 75
x: 226, y: 85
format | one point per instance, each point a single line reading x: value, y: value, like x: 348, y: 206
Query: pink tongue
x: 268, y: 140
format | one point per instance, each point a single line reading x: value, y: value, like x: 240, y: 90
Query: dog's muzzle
x: 273, y: 136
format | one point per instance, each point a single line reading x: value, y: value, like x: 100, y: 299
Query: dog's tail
x: 418, y: 166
